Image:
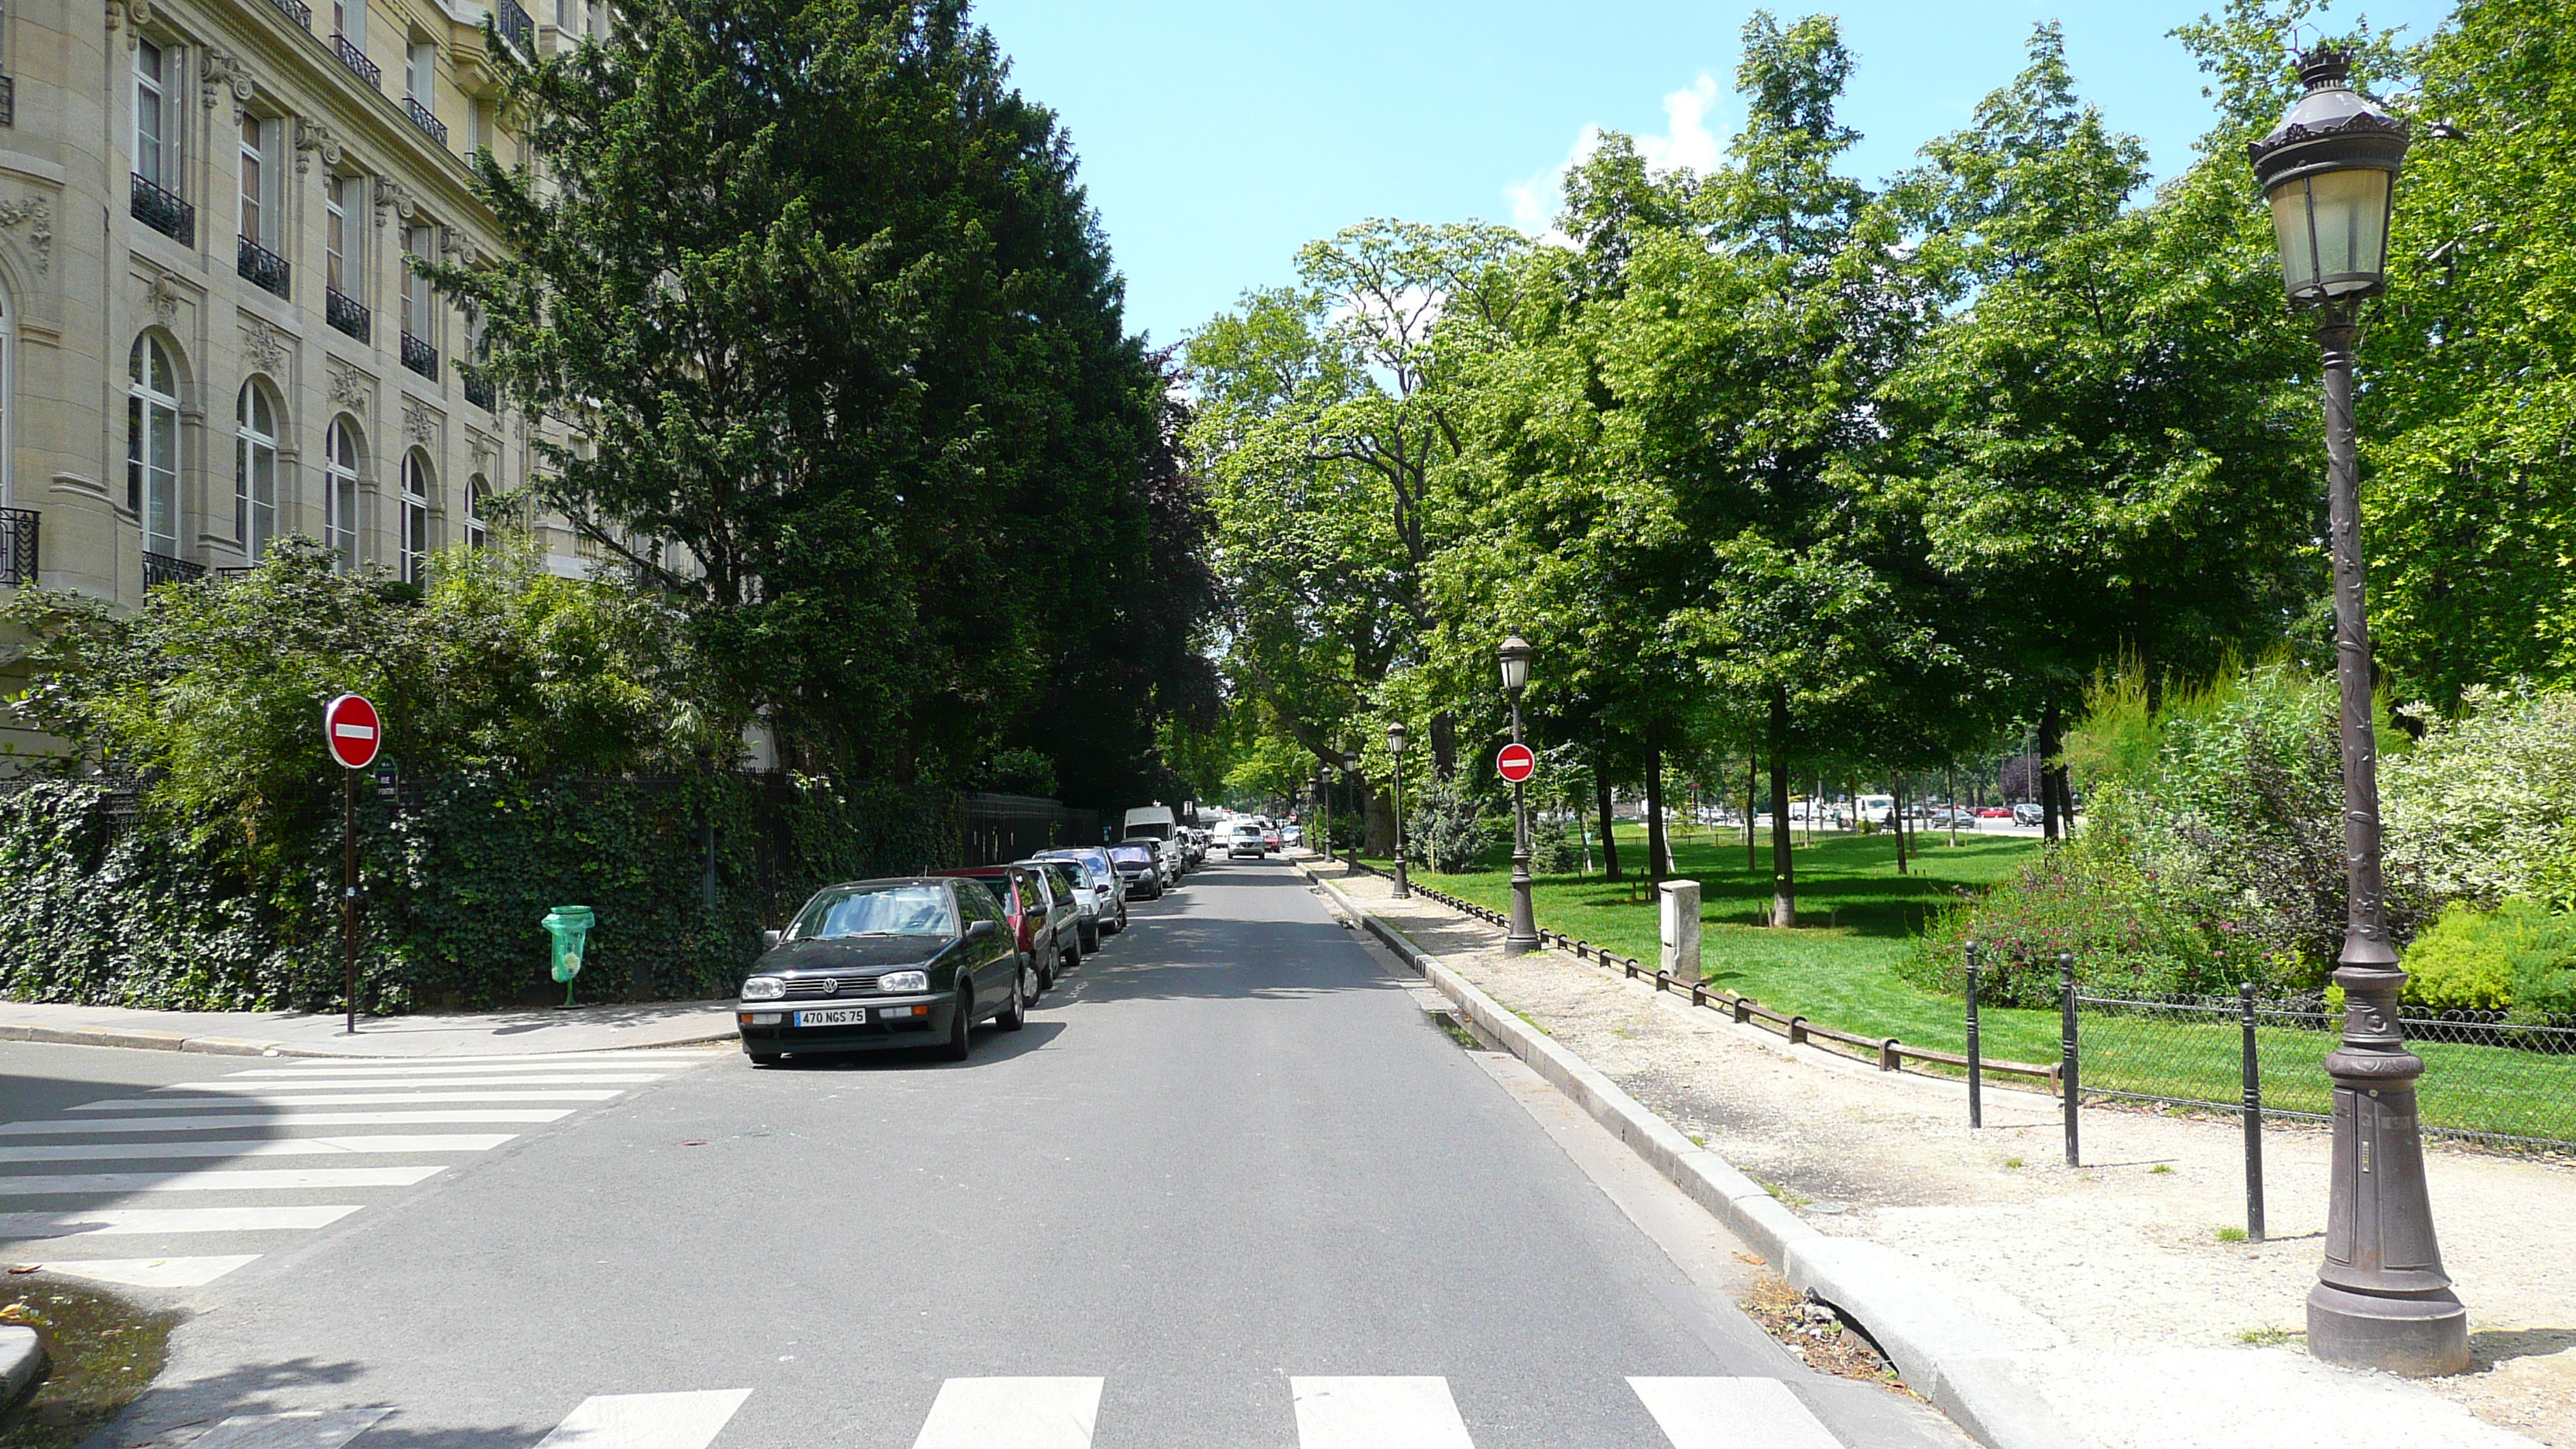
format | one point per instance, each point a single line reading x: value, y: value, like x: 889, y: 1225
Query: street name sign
x: 352, y: 730
x: 1516, y: 763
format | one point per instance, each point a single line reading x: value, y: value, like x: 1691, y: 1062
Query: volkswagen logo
x: 831, y: 986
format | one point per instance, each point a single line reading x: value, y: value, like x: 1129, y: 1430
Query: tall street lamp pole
x: 2382, y: 1300
x: 1323, y: 821
x: 1515, y: 654
x: 1395, y: 748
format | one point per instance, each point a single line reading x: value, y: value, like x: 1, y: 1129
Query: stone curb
x: 1944, y: 1352
x: 171, y: 1041
x: 22, y: 1363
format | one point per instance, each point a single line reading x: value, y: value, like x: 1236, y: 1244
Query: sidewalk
x: 301, y: 1034
x: 2124, y: 1308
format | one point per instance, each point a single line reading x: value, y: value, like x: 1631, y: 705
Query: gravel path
x: 2141, y: 1323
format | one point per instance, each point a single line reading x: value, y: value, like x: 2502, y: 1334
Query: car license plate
x: 845, y: 1016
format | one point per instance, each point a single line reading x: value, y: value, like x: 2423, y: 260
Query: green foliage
x: 1553, y: 848
x: 1451, y: 827
x: 2076, y: 899
x: 2519, y: 957
x: 2483, y: 806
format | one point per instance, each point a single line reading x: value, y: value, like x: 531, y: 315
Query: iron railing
x: 356, y: 60
x: 518, y: 29
x: 259, y: 265
x: 347, y: 313
x: 480, y: 392
x: 422, y: 117
x: 297, y: 11
x: 18, y: 530
x: 160, y: 568
x: 164, y: 212
x: 8, y: 101
x: 420, y: 357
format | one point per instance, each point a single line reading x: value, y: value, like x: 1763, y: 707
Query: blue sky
x: 1216, y: 138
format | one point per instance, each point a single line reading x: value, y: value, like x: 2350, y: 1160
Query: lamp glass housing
x: 1395, y: 736
x: 1515, y: 656
x: 2332, y: 229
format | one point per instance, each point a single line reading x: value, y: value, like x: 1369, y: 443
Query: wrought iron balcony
x: 518, y: 29
x: 160, y: 568
x: 356, y: 60
x: 480, y: 392
x: 258, y: 264
x: 346, y: 313
x: 18, y: 528
x: 165, y: 213
x: 297, y: 11
x: 422, y: 117
x: 420, y: 357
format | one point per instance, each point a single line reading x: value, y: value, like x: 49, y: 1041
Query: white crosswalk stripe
x: 1012, y: 1414
x: 290, y: 1431
x: 1377, y: 1413
x: 1719, y: 1413
x: 646, y: 1421
x: 96, y: 1156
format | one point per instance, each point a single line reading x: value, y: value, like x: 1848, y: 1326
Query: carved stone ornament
x: 351, y: 388
x: 484, y: 447
x: 393, y: 201
x: 131, y: 16
x: 221, y: 72
x: 263, y: 346
x: 421, y: 423
x: 163, y: 295
x: 37, y: 215
x: 312, y: 138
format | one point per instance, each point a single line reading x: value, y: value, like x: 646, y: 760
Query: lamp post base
x: 2418, y: 1336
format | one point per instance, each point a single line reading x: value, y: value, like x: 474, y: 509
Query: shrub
x: 2518, y: 958
x: 2483, y: 807
x: 1450, y: 829
x: 1553, y: 850
x: 2088, y: 902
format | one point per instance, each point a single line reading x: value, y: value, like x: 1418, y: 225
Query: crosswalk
x: 81, y: 1192
x: 1060, y: 1413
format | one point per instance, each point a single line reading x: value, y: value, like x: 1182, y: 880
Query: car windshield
x: 905, y: 910
x: 1134, y: 853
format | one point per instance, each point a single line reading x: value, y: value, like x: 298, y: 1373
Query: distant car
x: 1140, y: 867
x: 1049, y: 929
x: 1245, y: 840
x: 873, y: 964
x: 1292, y: 835
x: 1105, y: 894
x: 1272, y: 837
x: 2028, y: 813
x: 1994, y: 812
x: 1167, y: 857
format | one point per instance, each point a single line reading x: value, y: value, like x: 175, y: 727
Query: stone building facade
x: 236, y: 352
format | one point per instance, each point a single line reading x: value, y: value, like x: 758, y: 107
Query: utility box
x: 1679, y: 901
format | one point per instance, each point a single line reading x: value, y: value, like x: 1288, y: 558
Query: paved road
x: 1231, y: 1187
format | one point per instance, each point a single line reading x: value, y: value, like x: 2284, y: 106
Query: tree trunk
x: 1950, y: 787
x: 1444, y: 745
x: 1378, y: 813
x: 1752, y: 764
x: 1899, y: 818
x: 1609, y: 839
x: 1658, y: 850
x: 1784, y: 870
x: 2052, y: 726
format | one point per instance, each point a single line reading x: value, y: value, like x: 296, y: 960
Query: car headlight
x: 904, y: 981
x: 763, y: 988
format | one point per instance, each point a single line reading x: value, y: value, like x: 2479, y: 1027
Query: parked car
x: 1167, y: 857
x: 1292, y: 834
x: 1140, y: 867
x: 1104, y: 893
x: 873, y: 964
x: 1048, y: 926
x: 1065, y: 881
x: 1272, y: 837
x: 2029, y: 813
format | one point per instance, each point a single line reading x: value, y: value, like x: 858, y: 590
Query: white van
x: 1877, y: 809
x: 1156, y: 822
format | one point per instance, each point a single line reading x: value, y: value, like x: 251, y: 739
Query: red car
x: 1994, y: 812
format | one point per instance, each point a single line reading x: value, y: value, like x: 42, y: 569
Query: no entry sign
x: 1516, y: 763
x: 351, y: 729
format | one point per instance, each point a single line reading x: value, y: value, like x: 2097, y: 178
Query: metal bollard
x: 1976, y: 1065
x: 2253, y: 1118
x: 2069, y: 1088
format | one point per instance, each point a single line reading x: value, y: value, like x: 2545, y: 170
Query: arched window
x: 415, y: 517
x: 254, y: 470
x: 478, y: 513
x: 8, y: 392
x: 340, y: 491
x: 152, y: 445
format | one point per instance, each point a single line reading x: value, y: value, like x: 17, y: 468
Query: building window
x: 152, y: 445
x: 255, y: 217
x: 420, y: 67
x: 255, y: 471
x: 415, y: 288
x: 336, y: 234
x: 153, y: 160
x: 8, y: 361
x: 478, y: 513
x: 349, y: 18
x: 415, y: 517
x: 340, y: 492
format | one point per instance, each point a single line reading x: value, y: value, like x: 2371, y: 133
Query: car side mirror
x: 977, y: 929
x: 769, y: 940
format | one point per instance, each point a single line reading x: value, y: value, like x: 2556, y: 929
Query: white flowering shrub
x: 2483, y: 808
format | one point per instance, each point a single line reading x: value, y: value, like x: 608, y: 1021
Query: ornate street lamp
x: 2381, y: 1300
x: 1515, y: 654
x: 1322, y: 822
x: 1395, y: 748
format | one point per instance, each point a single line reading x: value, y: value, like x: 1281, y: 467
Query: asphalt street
x: 1231, y: 1187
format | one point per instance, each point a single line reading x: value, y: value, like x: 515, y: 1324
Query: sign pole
x: 349, y: 888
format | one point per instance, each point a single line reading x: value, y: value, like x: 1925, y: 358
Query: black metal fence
x: 1014, y: 827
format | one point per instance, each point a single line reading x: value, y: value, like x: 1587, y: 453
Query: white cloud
x: 1686, y: 143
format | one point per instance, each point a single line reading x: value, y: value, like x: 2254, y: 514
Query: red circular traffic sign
x: 1516, y: 763
x: 352, y: 730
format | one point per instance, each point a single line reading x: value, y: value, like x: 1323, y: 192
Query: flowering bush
x: 2483, y: 807
x: 2091, y: 904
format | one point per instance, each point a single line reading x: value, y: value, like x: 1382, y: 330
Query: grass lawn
x: 1858, y: 918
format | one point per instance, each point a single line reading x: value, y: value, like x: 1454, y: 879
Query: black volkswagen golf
x: 886, y: 963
